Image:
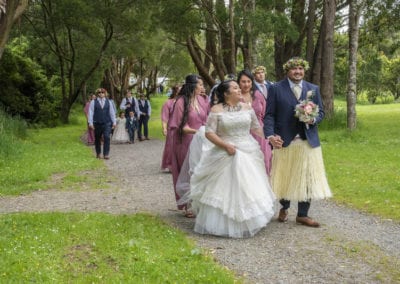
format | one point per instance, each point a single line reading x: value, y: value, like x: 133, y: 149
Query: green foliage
x: 385, y: 98
x: 375, y: 97
x: 391, y: 77
x: 187, y: 22
x: 100, y: 248
x: 25, y: 89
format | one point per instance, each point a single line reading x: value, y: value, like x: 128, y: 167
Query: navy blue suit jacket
x: 279, y: 118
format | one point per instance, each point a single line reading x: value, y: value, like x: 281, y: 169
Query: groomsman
x: 144, y: 116
x: 128, y: 104
x: 102, y: 120
x: 261, y: 84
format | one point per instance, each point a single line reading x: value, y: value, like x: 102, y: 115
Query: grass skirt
x: 298, y: 173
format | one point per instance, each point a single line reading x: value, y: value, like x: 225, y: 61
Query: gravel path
x: 350, y: 247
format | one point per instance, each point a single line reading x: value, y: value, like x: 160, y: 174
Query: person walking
x: 166, y: 112
x: 298, y: 172
x: 102, y: 120
x: 120, y: 134
x: 254, y: 98
x: 129, y: 103
x: 188, y: 115
x: 230, y: 191
x: 144, y: 116
x: 131, y: 126
x: 90, y: 131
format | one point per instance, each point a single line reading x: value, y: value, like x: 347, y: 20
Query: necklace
x: 230, y: 108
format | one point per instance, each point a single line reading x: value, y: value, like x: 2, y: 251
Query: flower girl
x: 120, y: 133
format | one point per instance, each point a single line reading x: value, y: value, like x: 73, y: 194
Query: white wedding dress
x: 231, y: 195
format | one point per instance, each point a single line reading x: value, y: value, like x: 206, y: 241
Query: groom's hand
x: 276, y: 141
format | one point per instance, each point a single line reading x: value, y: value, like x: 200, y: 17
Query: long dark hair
x: 219, y: 92
x: 185, y: 94
x: 248, y: 74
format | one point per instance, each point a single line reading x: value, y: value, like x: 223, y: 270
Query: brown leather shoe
x: 106, y: 157
x: 98, y: 156
x: 283, y: 215
x: 307, y: 221
x: 147, y: 138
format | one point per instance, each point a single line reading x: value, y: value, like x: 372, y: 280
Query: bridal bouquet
x: 306, y: 110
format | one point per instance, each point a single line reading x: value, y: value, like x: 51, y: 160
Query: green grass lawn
x: 45, y: 153
x: 363, y: 166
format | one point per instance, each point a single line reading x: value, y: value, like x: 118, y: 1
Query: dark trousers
x: 143, y: 124
x: 302, y: 207
x: 102, y: 130
x: 131, y: 132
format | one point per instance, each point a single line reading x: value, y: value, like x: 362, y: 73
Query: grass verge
x: 100, y: 248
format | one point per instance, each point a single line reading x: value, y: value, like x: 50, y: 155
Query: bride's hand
x: 230, y: 149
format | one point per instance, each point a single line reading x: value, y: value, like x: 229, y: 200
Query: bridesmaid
x: 254, y: 98
x: 90, y: 131
x: 166, y: 112
x: 189, y: 114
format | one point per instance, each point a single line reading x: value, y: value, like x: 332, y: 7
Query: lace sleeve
x: 254, y: 121
x: 212, y: 123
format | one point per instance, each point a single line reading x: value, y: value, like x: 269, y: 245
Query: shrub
x: 25, y: 90
x: 385, y: 98
x: 362, y: 98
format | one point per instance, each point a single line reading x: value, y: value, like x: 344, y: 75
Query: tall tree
x: 327, y: 66
x: 10, y: 12
x: 77, y: 34
x: 354, y: 18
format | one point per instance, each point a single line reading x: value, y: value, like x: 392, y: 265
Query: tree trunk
x: 327, y: 63
x: 310, y: 34
x: 231, y: 66
x: 354, y: 17
x: 195, y: 55
x: 10, y: 11
x: 249, y: 39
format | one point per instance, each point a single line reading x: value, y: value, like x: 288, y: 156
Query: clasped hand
x: 276, y: 141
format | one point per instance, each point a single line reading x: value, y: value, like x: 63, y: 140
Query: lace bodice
x: 232, y: 126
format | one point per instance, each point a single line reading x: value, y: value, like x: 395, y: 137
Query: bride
x: 229, y: 187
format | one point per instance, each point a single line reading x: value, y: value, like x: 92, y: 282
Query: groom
x: 298, y: 172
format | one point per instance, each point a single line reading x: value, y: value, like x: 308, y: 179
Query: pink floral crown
x: 294, y: 62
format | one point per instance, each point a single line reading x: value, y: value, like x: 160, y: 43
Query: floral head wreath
x: 294, y: 62
x: 259, y: 68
